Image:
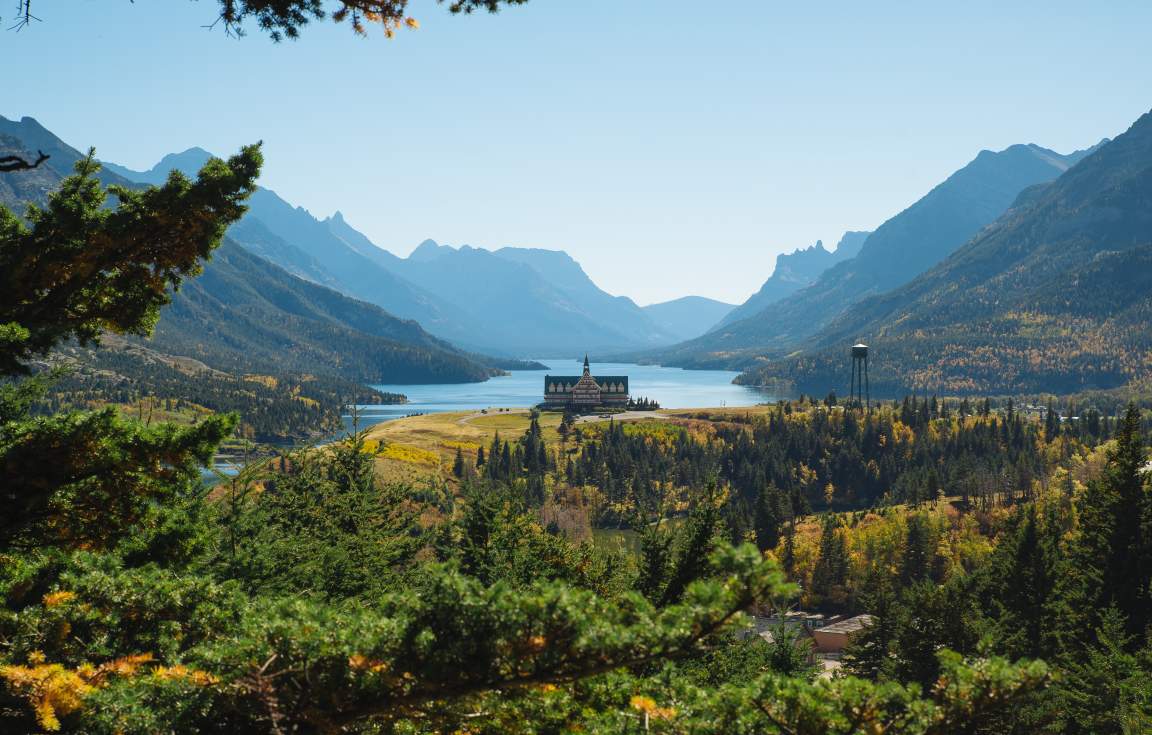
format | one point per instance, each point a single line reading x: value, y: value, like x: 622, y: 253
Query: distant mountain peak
x: 188, y: 161
x: 430, y: 250
x: 794, y: 271
x: 32, y: 122
x: 1025, y: 298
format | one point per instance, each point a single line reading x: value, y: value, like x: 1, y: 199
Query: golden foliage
x: 648, y: 706
x: 360, y: 662
x: 52, y: 599
x: 54, y: 691
x: 268, y: 381
x: 386, y: 13
x: 183, y: 673
x: 409, y: 454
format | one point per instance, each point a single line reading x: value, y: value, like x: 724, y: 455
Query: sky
x: 671, y: 147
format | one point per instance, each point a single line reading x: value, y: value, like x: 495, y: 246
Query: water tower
x: 859, y: 390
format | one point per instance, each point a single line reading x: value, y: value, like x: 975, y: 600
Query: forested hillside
x: 242, y: 312
x: 313, y: 348
x: 1056, y: 296
x: 952, y: 563
x: 965, y: 526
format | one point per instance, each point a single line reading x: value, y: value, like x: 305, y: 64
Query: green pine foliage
x: 79, y: 268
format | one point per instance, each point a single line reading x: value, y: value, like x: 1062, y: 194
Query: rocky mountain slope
x: 795, y: 271
x: 1054, y: 296
x: 900, y: 249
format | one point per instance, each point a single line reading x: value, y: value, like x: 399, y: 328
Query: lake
x: 671, y: 387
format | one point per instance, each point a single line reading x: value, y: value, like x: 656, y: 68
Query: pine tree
x: 1107, y: 689
x: 831, y: 570
x: 919, y: 550
x: 1130, y: 568
x: 1112, y: 559
x: 788, y: 552
x: 458, y: 465
x: 870, y: 654
x: 769, y: 516
x: 76, y: 270
x: 1024, y: 570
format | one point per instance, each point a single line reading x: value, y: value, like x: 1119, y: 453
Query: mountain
x: 688, y: 316
x: 316, y: 250
x: 187, y: 162
x: 1054, y: 297
x: 350, y: 271
x: 529, y: 301
x: 512, y: 302
x: 794, y: 271
x: 903, y: 247
x: 620, y: 312
x: 26, y: 136
x: 243, y: 312
x: 244, y: 315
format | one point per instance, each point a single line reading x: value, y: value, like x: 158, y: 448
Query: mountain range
x: 1025, y: 270
x: 512, y: 301
x: 1055, y: 296
x: 688, y: 316
x: 904, y: 246
x: 245, y: 315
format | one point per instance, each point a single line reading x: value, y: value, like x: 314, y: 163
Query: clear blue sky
x: 672, y: 147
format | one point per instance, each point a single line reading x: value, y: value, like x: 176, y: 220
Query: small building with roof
x: 834, y: 638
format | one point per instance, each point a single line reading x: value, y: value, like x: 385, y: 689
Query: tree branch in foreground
x: 16, y: 163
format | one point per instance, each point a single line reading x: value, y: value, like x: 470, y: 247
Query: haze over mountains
x: 1055, y: 296
x: 250, y: 308
x: 512, y: 301
x: 900, y: 249
x: 1013, y: 249
x: 244, y: 316
x: 688, y: 316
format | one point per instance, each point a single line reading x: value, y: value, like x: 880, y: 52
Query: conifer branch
x: 16, y: 163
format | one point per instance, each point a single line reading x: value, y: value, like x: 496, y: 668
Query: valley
x: 480, y: 367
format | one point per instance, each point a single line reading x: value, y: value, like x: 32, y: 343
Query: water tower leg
x: 852, y: 385
x: 867, y: 386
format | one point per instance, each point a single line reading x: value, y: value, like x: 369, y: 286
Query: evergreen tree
x: 1112, y: 559
x: 77, y: 270
x: 871, y: 652
x: 831, y: 570
x: 919, y: 550
x: 324, y: 524
x: 458, y: 465
x: 1107, y: 689
x: 788, y: 552
x: 1024, y: 570
x: 769, y: 516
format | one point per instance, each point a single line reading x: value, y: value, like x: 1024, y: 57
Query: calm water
x: 672, y: 387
